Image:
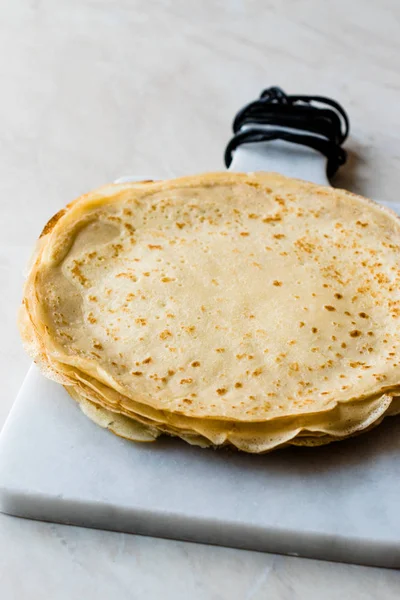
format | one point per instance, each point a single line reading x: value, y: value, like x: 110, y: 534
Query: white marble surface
x: 57, y: 465
x: 95, y: 89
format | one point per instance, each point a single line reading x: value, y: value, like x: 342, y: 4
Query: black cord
x: 320, y: 128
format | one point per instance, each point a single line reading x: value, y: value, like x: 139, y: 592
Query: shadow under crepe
x: 357, y: 452
x: 348, y: 177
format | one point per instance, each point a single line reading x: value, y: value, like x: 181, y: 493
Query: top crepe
x: 224, y: 296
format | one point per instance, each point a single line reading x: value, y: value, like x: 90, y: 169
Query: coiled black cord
x: 296, y: 119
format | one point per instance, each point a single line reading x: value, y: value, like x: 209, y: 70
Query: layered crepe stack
x: 248, y: 310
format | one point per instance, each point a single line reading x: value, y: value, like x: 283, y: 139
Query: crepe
x: 244, y: 309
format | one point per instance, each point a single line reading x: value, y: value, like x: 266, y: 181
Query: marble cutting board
x: 338, y: 502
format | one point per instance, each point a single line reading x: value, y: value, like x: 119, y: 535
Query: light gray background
x: 91, y: 90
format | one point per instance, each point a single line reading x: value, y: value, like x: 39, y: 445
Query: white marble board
x: 338, y: 502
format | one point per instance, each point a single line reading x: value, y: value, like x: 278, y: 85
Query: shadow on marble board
x: 358, y: 452
x: 348, y: 176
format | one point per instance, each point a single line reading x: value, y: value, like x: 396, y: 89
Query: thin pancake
x: 222, y: 297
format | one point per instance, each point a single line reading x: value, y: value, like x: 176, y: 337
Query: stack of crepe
x: 249, y: 310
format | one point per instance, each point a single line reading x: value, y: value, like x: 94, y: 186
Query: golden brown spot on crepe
x: 117, y: 249
x: 379, y: 376
x: 304, y: 245
x: 355, y: 333
x: 301, y: 324
x: 93, y: 298
x: 154, y: 246
x: 51, y: 223
x: 355, y: 364
x: 382, y: 278
x: 338, y: 296
x: 129, y: 227
x: 76, y: 271
x: 195, y: 363
x: 221, y: 391
x: 279, y: 236
x: 98, y: 346
x: 272, y: 219
x: 91, y: 318
x: 147, y: 360
x: 137, y: 373
x: 189, y: 329
x: 165, y: 335
x: 127, y: 275
x: 66, y: 335
x: 277, y: 283
x: 329, y: 307
x: 314, y: 329
x: 171, y: 372
x: 187, y: 380
x: 141, y: 321
x: 257, y: 372
x: 220, y: 350
x: 238, y: 384
x: 114, y: 219
x: 180, y: 225
x: 187, y: 401
x: 253, y: 216
x: 167, y: 279
x: 363, y: 315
